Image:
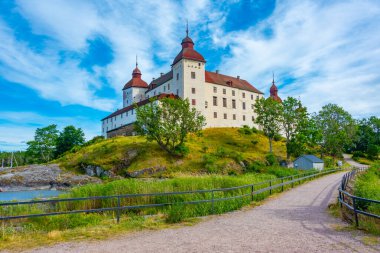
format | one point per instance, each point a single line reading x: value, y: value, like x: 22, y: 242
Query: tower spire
x: 136, y: 61
x: 273, y: 78
x: 187, y: 28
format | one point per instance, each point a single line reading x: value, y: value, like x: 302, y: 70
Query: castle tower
x: 273, y: 92
x: 189, y: 73
x: 134, y: 89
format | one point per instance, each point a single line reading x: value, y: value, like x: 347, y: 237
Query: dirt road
x: 295, y: 221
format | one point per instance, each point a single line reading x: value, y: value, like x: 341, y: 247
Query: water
x: 27, y: 195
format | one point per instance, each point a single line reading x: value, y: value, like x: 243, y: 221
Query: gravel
x: 295, y: 221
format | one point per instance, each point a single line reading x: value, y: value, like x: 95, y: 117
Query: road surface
x: 295, y: 221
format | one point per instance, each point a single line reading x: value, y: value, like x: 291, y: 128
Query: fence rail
x: 353, y: 202
x: 115, y: 202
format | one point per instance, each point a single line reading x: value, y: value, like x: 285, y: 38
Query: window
x: 132, y: 112
x: 243, y: 105
x: 243, y: 94
x: 215, y: 101
x: 253, y: 118
x: 206, y: 104
x: 154, y: 94
x: 168, y: 86
x: 233, y: 103
x: 177, y: 92
x: 251, y: 97
x: 224, y: 91
x: 215, y: 115
x: 234, y: 116
x: 121, y: 115
x: 243, y: 117
x: 233, y: 93
x: 257, y: 97
x: 224, y: 102
x: 177, y: 76
x: 225, y: 116
x: 252, y: 106
x: 215, y: 89
x: 193, y: 102
x: 126, y: 114
x: 164, y: 88
x: 193, y: 90
x: 192, y: 75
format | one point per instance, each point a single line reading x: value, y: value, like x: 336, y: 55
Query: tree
x: 337, y: 128
x: 306, y: 139
x: 293, y: 119
x: 42, y: 148
x: 168, y: 122
x: 69, y: 138
x: 269, y: 118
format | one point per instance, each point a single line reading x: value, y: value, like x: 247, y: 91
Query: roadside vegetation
x: 19, y: 234
x: 367, y: 185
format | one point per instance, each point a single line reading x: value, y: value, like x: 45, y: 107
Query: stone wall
x: 127, y: 130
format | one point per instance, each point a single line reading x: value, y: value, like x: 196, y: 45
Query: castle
x: 225, y: 101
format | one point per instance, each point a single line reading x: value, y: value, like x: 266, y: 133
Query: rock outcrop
x: 41, y: 177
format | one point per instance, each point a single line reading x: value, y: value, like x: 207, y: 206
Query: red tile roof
x: 188, y: 53
x: 216, y: 78
x: 136, y: 80
x: 143, y: 102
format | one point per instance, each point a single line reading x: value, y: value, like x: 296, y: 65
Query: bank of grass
x: 31, y: 232
x: 218, y: 151
x: 367, y: 185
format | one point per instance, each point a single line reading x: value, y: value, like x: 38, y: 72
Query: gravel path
x: 353, y: 163
x: 295, y: 221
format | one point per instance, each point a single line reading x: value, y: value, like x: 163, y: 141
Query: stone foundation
x: 126, y: 130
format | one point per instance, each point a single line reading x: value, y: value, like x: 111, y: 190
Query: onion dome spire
x: 273, y: 91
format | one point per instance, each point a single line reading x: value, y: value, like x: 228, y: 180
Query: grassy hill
x: 218, y: 150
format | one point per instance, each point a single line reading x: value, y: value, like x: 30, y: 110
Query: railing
x: 115, y: 203
x: 352, y: 202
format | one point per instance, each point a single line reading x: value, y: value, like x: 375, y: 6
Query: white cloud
x: 331, y: 49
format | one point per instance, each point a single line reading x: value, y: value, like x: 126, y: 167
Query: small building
x: 307, y: 162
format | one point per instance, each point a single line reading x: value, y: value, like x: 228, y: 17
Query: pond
x: 27, y: 195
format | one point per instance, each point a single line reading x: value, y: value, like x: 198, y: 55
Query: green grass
x: 367, y: 185
x: 51, y: 229
x: 218, y: 150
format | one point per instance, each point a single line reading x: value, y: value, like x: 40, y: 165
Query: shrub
x: 271, y: 159
x: 357, y: 154
x: 254, y: 130
x: 277, y: 137
x: 255, y: 166
x: 372, y: 152
x: 181, y: 150
x: 254, y: 142
x: 245, y: 130
x: 329, y: 162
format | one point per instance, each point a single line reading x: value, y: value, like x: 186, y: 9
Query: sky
x: 65, y: 62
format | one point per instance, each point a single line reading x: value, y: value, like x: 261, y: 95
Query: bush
x: 245, y: 130
x: 357, y: 154
x: 181, y: 150
x: 271, y: 159
x: 254, y: 142
x: 329, y: 162
x: 255, y: 166
x: 277, y: 137
x: 372, y: 152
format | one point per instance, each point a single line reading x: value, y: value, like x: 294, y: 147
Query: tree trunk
x: 287, y: 151
x: 270, y: 145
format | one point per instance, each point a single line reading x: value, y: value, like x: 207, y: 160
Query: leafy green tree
x: 43, y: 147
x: 69, y: 138
x: 372, y: 151
x: 269, y: 118
x: 168, y: 122
x: 293, y: 119
x: 374, y: 122
x: 337, y: 128
x: 306, y: 139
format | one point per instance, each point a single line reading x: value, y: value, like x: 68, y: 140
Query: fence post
x: 118, y: 209
x: 270, y: 187
x: 292, y: 181
x: 212, y: 202
x: 252, y: 190
x: 355, y: 213
x: 282, y: 186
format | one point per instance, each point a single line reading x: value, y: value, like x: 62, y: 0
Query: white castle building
x: 225, y: 101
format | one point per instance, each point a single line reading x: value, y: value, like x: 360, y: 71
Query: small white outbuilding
x: 307, y: 162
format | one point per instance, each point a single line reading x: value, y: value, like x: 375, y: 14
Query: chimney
x: 217, y: 71
x: 238, y: 77
x: 161, y: 74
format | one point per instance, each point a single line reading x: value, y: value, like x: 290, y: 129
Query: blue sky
x: 65, y: 61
